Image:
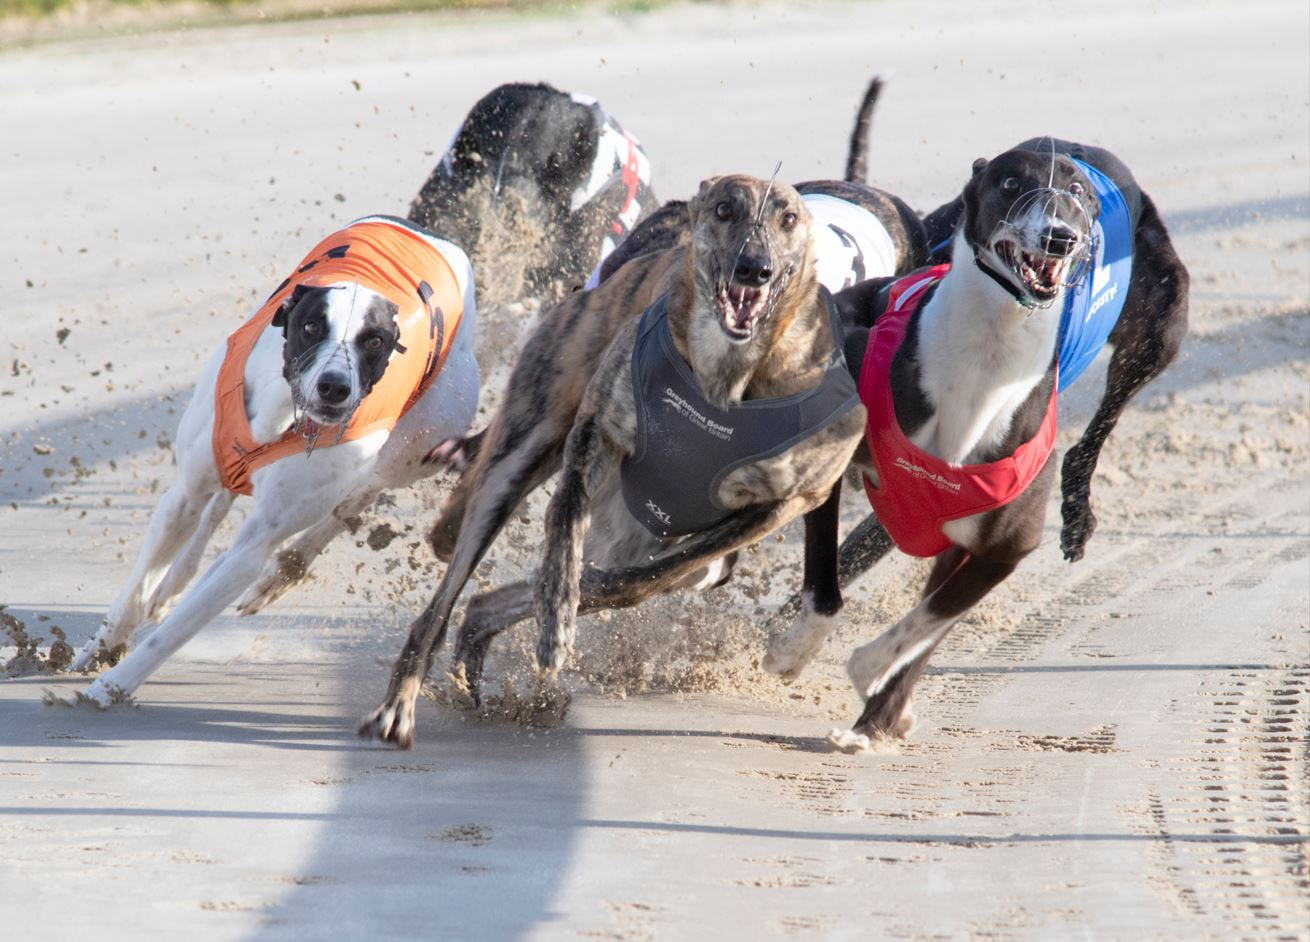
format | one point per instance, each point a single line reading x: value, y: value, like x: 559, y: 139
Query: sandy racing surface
x: 1112, y: 750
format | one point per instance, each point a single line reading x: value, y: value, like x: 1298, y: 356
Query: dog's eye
x: 1010, y: 185
x: 312, y: 328
x: 373, y: 344
x: 1076, y: 188
x: 789, y: 220
x: 723, y: 210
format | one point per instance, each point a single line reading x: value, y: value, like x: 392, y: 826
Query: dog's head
x: 338, y: 341
x: 1028, y: 218
x: 750, y: 246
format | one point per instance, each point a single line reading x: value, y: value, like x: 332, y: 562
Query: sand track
x: 1113, y: 750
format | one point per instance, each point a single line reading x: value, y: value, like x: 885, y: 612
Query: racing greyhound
x: 335, y: 388
x: 860, y: 232
x: 730, y: 374
x: 538, y: 177
x: 1055, y: 250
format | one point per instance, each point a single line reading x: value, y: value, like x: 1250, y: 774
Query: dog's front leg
x: 172, y: 525
x: 815, y: 610
x: 885, y: 670
x: 589, y: 455
x: 526, y: 460
x: 492, y: 612
x: 187, y: 563
x: 827, y: 571
x: 266, y: 527
x: 627, y: 586
x: 1146, y: 339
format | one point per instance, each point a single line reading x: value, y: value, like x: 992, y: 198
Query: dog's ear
x: 287, y: 306
x: 970, y: 195
x: 695, y: 203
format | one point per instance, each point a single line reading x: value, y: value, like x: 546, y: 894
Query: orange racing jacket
x: 392, y: 258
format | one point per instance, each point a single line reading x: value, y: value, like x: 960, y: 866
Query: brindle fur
x: 545, y: 403
x: 667, y: 228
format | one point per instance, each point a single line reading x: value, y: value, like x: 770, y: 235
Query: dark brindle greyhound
x: 731, y: 373
x: 1056, y: 251
x: 860, y: 232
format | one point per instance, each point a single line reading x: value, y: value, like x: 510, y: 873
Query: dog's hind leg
x: 487, y: 615
x: 272, y: 520
x: 490, y: 613
x: 188, y: 561
x: 290, y: 565
x: 503, y: 483
x: 1146, y: 339
x: 172, y: 524
x: 885, y: 671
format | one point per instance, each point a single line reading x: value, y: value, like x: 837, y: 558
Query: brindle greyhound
x: 861, y: 231
x: 986, y: 339
x: 742, y: 308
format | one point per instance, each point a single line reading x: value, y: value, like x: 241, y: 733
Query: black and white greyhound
x: 1055, y: 252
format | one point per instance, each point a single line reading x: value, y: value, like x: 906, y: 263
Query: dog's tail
x: 857, y: 170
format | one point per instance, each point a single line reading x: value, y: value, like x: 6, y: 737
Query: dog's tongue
x: 1047, y: 269
x: 742, y: 299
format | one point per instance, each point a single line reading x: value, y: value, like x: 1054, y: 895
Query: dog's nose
x: 333, y: 388
x: 752, y: 270
x: 1060, y: 240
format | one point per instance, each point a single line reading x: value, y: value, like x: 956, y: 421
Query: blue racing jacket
x: 1092, y: 307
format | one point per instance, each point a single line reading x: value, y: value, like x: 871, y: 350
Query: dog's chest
x: 979, y: 360
x: 694, y: 462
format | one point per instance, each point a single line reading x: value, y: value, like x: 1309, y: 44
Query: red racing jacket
x: 916, y: 491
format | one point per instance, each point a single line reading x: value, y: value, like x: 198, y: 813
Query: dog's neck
x: 981, y: 353
x: 784, y: 357
x: 270, y: 408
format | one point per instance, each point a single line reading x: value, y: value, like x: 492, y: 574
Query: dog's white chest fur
x: 981, y: 354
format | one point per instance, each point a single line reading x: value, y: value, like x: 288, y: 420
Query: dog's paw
x: 859, y: 739
x: 849, y: 741
x: 450, y: 454
x: 879, y: 732
x: 551, y: 657
x: 98, y: 696
x: 790, y: 652
x: 1074, y: 536
x: 465, y: 689
x: 393, y: 722
x: 1079, y: 523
